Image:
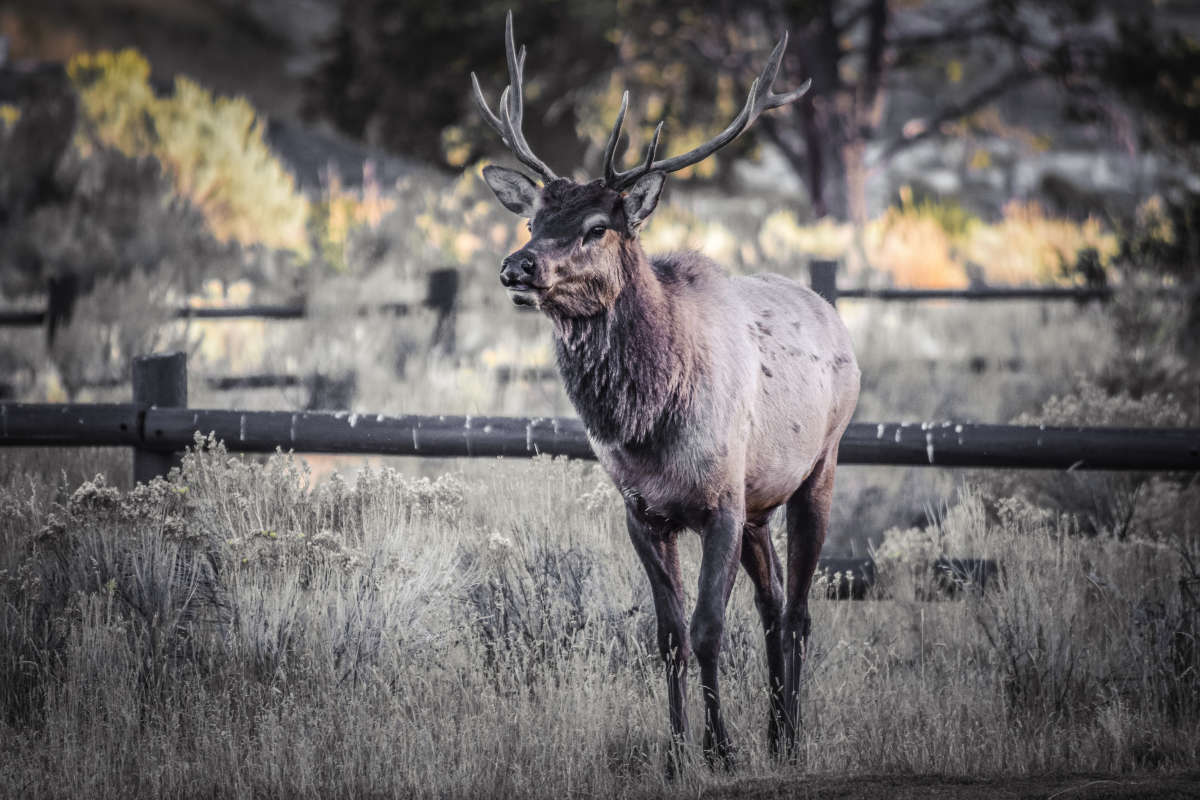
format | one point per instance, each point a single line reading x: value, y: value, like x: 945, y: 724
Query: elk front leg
x: 656, y: 549
x: 807, y: 523
x: 722, y: 544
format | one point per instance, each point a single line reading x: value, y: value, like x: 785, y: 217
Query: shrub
x: 1029, y: 246
x: 929, y: 243
x: 340, y: 214
x: 211, y: 147
x: 123, y: 565
x: 1124, y: 505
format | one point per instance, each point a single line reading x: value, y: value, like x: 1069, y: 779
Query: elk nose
x: 516, y: 268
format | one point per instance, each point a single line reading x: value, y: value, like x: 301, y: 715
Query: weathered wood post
x: 159, y: 380
x: 442, y: 297
x: 822, y: 278
x: 61, y: 293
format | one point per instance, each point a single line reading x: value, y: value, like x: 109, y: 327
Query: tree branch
x: 981, y: 97
x: 965, y: 35
x: 851, y: 19
x: 873, y: 73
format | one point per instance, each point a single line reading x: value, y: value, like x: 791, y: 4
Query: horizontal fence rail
x: 912, y: 444
x: 441, y: 296
x: 37, y: 317
x: 444, y: 285
x: 1077, y: 293
x: 822, y: 274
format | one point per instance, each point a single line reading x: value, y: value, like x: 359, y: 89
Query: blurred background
x: 324, y: 155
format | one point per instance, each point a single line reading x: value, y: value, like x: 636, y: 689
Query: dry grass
x: 238, y: 632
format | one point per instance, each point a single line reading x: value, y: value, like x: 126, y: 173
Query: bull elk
x: 710, y: 400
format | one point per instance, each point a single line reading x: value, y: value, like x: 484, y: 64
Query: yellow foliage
x: 783, y: 239
x: 1153, y: 220
x: 117, y: 100
x: 462, y: 225
x: 1027, y: 246
x: 675, y: 229
x: 341, y: 211
x: 9, y: 116
x: 212, y: 148
x: 455, y: 146
x: 981, y: 159
x: 523, y: 354
x: 914, y: 248
x: 928, y: 244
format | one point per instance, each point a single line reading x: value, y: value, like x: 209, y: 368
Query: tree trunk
x: 854, y: 176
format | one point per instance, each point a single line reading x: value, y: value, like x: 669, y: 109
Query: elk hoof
x: 722, y: 756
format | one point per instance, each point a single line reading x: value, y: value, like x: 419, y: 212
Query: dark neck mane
x: 625, y: 369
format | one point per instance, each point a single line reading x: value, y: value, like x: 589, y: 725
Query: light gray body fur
x: 780, y: 386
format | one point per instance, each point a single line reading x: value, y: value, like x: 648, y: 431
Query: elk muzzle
x: 516, y: 275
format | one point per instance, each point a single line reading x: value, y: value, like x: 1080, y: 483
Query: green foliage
x: 212, y: 148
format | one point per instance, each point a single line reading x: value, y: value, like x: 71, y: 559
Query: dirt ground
x: 904, y: 787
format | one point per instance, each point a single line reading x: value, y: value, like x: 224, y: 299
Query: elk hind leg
x: 807, y: 523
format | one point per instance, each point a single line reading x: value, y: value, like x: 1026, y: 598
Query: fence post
x: 822, y: 278
x: 158, y: 380
x: 442, y: 297
x: 61, y: 293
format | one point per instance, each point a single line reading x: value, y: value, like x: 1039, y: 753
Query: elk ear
x: 642, y: 197
x: 514, y: 191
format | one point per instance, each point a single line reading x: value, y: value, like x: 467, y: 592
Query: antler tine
x: 760, y: 98
x: 610, y: 149
x: 767, y: 99
x: 652, y: 149
x: 516, y: 72
x: 512, y: 106
x: 480, y: 103
x: 611, y: 176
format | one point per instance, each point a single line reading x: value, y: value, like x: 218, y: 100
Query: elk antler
x: 512, y: 106
x: 760, y: 99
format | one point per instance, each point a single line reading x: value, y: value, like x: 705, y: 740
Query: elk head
x: 582, y: 235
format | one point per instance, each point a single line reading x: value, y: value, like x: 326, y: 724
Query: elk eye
x: 594, y: 234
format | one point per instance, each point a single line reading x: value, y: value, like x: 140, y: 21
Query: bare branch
x: 760, y: 98
x: 876, y: 42
x: 850, y: 20
x: 981, y: 97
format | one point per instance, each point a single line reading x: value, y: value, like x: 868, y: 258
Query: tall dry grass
x: 240, y: 632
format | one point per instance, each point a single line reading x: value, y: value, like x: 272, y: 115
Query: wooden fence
x: 441, y: 296
x: 158, y: 423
